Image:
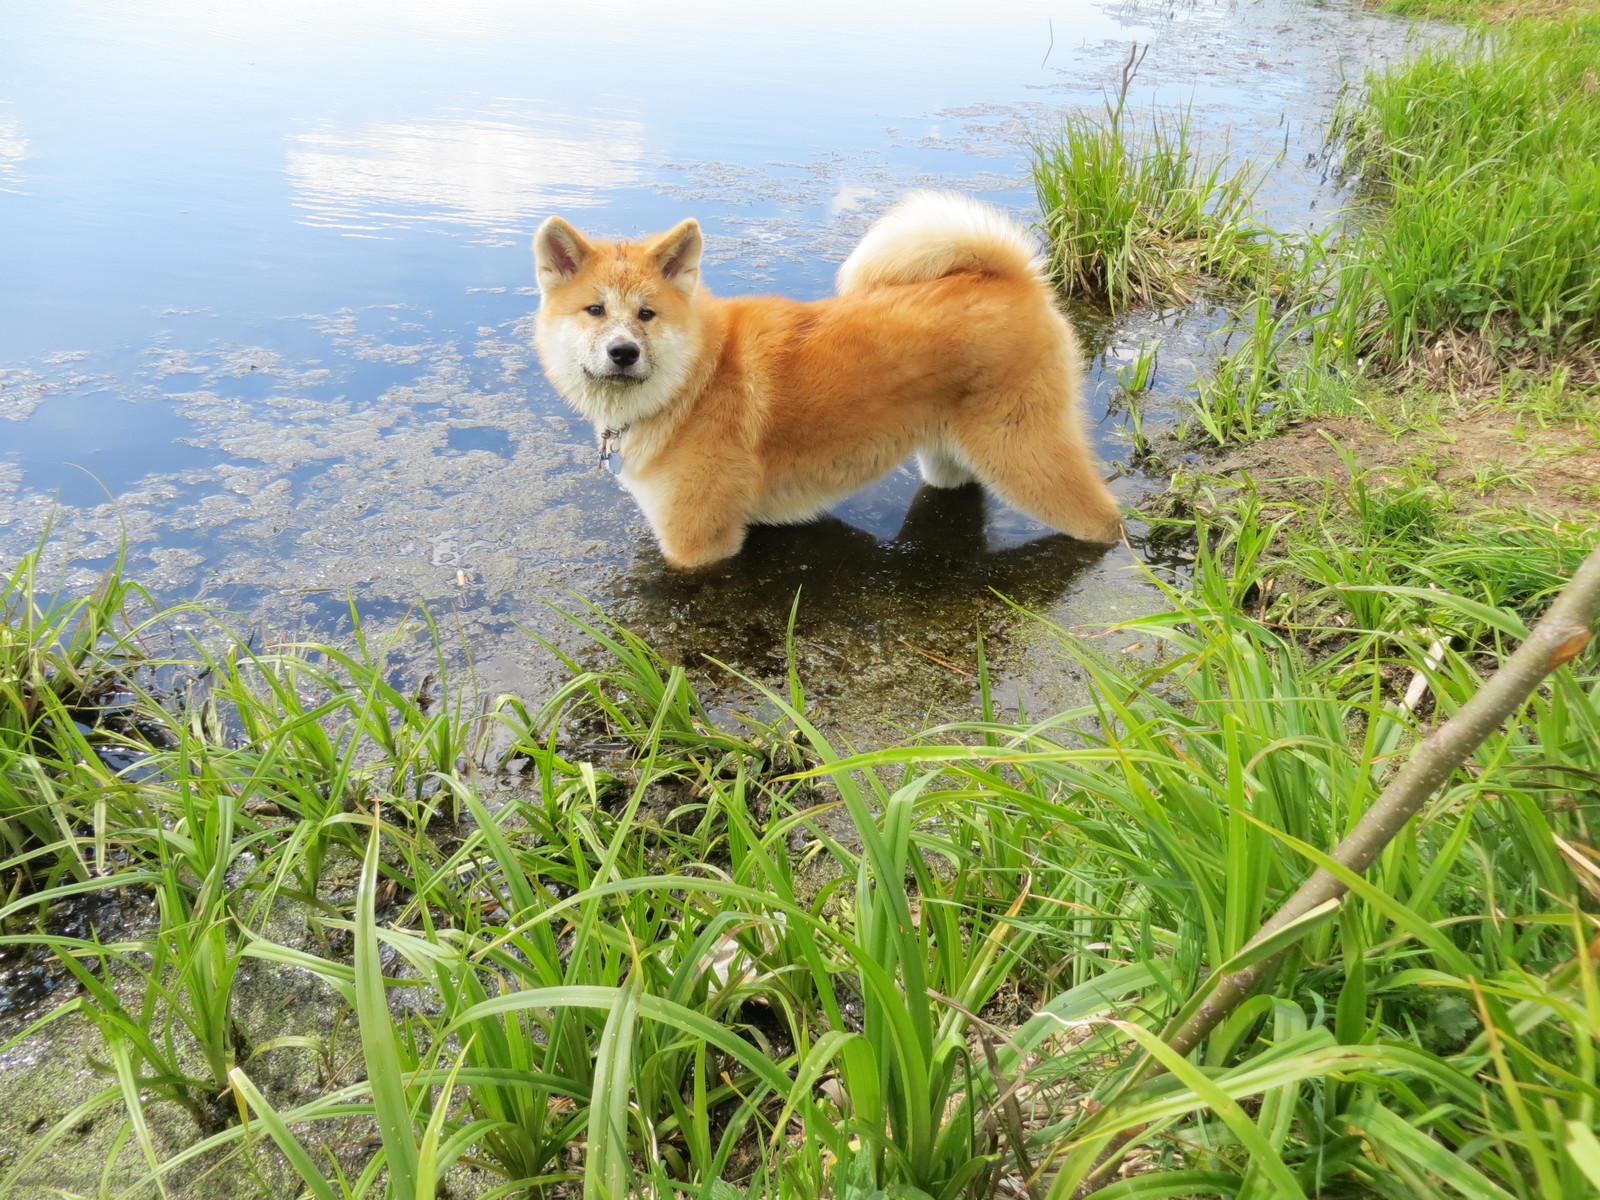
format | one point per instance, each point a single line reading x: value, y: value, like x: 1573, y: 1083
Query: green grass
x: 61, y: 658
x: 1448, y: 10
x: 1493, y: 10
x: 1136, y: 214
x: 1484, y: 218
x: 581, y: 984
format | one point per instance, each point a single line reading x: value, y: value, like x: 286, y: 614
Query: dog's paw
x: 1109, y: 533
x: 693, y: 553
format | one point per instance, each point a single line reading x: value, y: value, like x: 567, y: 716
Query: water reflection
x: 503, y: 171
x: 868, y: 604
x: 13, y: 149
x: 264, y: 281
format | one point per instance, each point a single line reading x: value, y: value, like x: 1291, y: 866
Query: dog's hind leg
x: 942, y: 466
x: 1025, y: 449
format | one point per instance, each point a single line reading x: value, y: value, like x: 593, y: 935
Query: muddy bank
x: 1499, y: 457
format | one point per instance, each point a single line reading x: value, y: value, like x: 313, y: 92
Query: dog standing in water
x: 944, y: 339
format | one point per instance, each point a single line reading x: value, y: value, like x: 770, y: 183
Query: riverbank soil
x: 1485, y: 458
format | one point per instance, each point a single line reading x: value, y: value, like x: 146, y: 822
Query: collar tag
x: 610, y: 443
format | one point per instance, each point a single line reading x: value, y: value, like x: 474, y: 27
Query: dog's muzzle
x: 624, y: 363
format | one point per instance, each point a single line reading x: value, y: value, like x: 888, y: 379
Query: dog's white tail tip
x: 932, y: 234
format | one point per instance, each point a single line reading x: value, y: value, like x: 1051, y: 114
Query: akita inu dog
x: 944, y: 339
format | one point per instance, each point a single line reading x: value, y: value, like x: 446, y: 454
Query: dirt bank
x: 1495, y: 458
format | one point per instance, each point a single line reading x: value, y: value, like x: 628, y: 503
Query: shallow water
x: 266, y: 294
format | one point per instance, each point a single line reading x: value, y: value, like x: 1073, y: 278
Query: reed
x: 1136, y: 214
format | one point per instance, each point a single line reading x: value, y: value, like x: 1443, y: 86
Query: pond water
x: 265, y: 297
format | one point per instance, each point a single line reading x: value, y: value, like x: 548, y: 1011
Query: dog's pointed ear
x: 677, y: 255
x: 559, y: 252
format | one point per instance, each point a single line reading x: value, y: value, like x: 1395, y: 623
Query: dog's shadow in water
x: 860, y: 596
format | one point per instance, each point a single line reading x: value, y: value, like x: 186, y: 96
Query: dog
x: 944, y: 339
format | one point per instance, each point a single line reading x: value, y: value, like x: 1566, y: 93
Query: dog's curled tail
x: 932, y: 234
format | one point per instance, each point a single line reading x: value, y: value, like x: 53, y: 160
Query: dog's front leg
x: 689, y: 539
x: 697, y: 522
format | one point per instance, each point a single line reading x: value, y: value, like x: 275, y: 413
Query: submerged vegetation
x: 330, y: 924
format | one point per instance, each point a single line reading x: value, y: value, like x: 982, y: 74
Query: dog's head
x: 618, y: 329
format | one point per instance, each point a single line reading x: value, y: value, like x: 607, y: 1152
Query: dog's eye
x: 596, y: 310
x: 646, y: 314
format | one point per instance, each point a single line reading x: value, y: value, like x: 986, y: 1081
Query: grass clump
x: 69, y: 684
x: 1482, y: 221
x: 1135, y: 215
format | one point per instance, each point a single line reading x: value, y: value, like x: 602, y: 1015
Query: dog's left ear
x: 677, y: 255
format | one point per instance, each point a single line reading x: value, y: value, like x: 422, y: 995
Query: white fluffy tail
x: 932, y: 234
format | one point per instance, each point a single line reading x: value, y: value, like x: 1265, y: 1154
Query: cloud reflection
x: 493, y: 172
x: 13, y: 149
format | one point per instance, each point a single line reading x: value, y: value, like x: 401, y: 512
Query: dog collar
x: 610, y: 443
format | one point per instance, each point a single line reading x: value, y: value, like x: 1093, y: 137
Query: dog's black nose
x: 624, y: 354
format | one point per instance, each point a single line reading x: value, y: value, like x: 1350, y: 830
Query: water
x: 265, y: 296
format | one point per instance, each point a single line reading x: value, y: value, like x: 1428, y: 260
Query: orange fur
x: 944, y: 340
